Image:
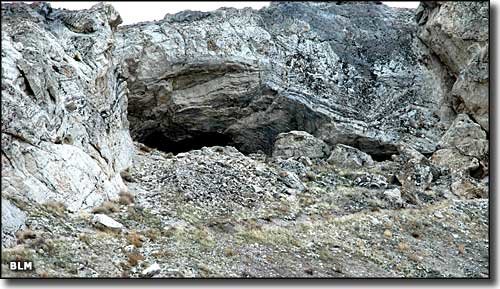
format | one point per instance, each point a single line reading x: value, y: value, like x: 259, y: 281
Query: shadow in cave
x: 159, y: 141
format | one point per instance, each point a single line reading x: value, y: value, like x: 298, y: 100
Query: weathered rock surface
x: 347, y: 156
x: 458, y: 34
x: 64, y: 127
x: 296, y: 144
x: 467, y: 137
x: 102, y: 221
x: 300, y: 140
x: 351, y: 74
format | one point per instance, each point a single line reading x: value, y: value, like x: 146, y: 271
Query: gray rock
x: 467, y: 137
x: 12, y: 220
x: 297, y: 144
x: 455, y: 161
x: 458, y: 34
x: 294, y: 166
x: 350, y: 74
x: 372, y: 181
x: 347, y: 156
x: 292, y: 181
x: 416, y: 174
x: 394, y: 195
x: 104, y: 221
x: 64, y: 127
x: 151, y: 270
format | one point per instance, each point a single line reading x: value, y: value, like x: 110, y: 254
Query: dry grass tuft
x: 135, y: 239
x: 25, y: 235
x: 229, y: 252
x: 152, y: 234
x: 126, y: 198
x: 56, y: 207
x: 134, y: 258
x: 106, y: 207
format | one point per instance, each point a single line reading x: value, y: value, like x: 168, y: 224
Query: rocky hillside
x: 300, y: 140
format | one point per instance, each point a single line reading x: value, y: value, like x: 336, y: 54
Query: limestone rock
x: 470, y: 189
x: 457, y: 32
x: 151, y: 270
x: 12, y: 220
x: 104, y: 221
x: 351, y: 74
x: 415, y: 175
x: 394, y: 195
x: 64, y: 126
x: 467, y: 137
x: 297, y: 144
x: 343, y: 155
x: 372, y: 181
x: 455, y: 161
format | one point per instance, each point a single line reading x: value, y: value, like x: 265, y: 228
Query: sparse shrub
x: 203, y: 237
x: 25, y: 235
x: 19, y: 252
x: 310, y: 176
x: 56, y: 207
x: 229, y: 252
x: 111, y: 206
x: 135, y: 239
x: 325, y: 254
x: 106, y: 207
x: 126, y: 198
x: 402, y: 246
x: 461, y: 249
x: 415, y: 258
x: 134, y: 258
x: 152, y: 234
x: 84, y: 238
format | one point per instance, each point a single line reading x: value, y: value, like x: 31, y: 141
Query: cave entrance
x: 158, y: 140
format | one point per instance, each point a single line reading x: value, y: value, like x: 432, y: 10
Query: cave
x: 158, y: 140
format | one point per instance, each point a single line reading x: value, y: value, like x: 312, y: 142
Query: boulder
x: 296, y: 144
x: 346, y: 156
x: 416, y: 173
x: 105, y: 222
x: 467, y: 137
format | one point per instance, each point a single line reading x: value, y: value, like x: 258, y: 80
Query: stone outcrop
x: 458, y: 34
x: 350, y: 73
x: 64, y: 126
x: 296, y: 144
x: 325, y: 139
x: 346, y: 156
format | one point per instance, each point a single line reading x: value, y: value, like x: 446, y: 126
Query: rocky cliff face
x: 64, y: 110
x: 306, y: 139
x: 351, y: 73
x: 462, y: 47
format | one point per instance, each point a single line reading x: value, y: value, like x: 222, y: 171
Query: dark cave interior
x: 158, y: 140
